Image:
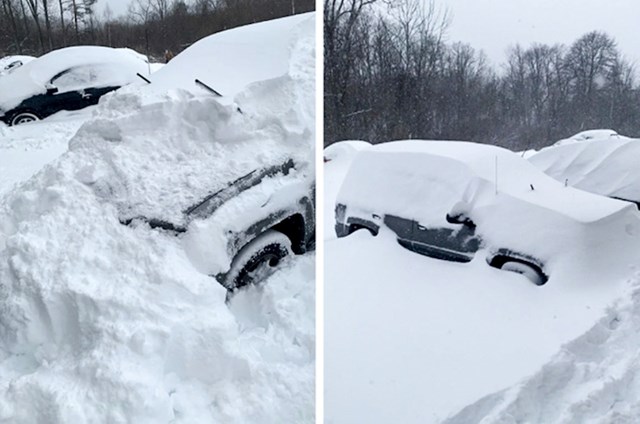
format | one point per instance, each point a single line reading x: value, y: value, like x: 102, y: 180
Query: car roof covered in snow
x: 31, y: 78
x: 228, y: 61
x: 604, y: 165
x: 515, y: 176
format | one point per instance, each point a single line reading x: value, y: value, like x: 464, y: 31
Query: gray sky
x: 493, y: 25
x: 118, y: 7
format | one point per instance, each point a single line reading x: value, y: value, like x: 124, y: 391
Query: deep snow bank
x: 101, y: 322
x: 595, y: 378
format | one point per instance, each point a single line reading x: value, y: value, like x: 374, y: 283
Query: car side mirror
x: 51, y: 89
x: 460, y: 218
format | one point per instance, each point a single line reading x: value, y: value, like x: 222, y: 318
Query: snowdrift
x: 103, y: 322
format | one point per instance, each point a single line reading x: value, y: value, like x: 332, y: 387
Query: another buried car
x: 71, y: 78
x: 605, y: 164
x: 458, y: 200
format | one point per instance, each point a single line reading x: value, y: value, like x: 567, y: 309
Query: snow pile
x: 606, y: 166
x: 23, y: 150
x: 102, y: 322
x: 31, y: 78
x: 594, y: 378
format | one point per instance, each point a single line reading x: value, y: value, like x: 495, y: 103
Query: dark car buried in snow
x: 67, y: 79
x: 455, y: 200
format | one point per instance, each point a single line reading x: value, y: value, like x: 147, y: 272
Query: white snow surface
x: 102, y: 322
x: 31, y: 78
x: 603, y: 165
x: 414, y: 339
x: 9, y: 64
x: 588, y: 136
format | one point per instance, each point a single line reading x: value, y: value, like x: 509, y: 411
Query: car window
x: 88, y: 76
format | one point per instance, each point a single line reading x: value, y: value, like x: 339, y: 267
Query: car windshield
x: 86, y: 76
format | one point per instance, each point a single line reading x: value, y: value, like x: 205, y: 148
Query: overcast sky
x: 493, y: 25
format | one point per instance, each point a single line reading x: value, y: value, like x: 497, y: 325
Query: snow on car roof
x: 230, y: 60
x: 604, y: 165
x: 588, y: 136
x: 515, y: 176
x: 31, y: 78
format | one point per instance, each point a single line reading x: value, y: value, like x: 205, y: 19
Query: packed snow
x: 414, y: 339
x: 103, y: 322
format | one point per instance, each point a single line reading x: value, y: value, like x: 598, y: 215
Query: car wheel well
x: 355, y: 227
x: 499, y: 261
x: 294, y: 228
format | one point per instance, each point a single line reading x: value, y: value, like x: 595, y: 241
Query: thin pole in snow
x: 496, y: 180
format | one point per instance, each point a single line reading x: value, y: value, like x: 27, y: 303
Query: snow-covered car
x: 605, y: 164
x: 453, y: 200
x: 232, y: 176
x: 9, y: 64
x: 71, y: 78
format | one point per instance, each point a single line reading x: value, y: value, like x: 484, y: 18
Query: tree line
x: 34, y: 27
x: 392, y: 75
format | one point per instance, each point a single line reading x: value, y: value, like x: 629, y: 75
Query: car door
x: 70, y: 85
x: 453, y: 244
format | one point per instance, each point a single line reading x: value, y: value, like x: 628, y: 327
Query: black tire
x: 23, y: 117
x: 530, y: 272
x: 257, y: 260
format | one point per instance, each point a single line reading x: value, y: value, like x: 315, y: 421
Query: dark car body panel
x: 47, y: 104
x: 451, y: 244
x: 296, y: 221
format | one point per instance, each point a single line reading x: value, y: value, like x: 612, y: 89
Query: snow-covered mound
x: 103, y: 322
x: 604, y: 165
x: 344, y: 150
x: 588, y: 136
x: 9, y: 64
x: 31, y: 79
x: 595, y: 378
